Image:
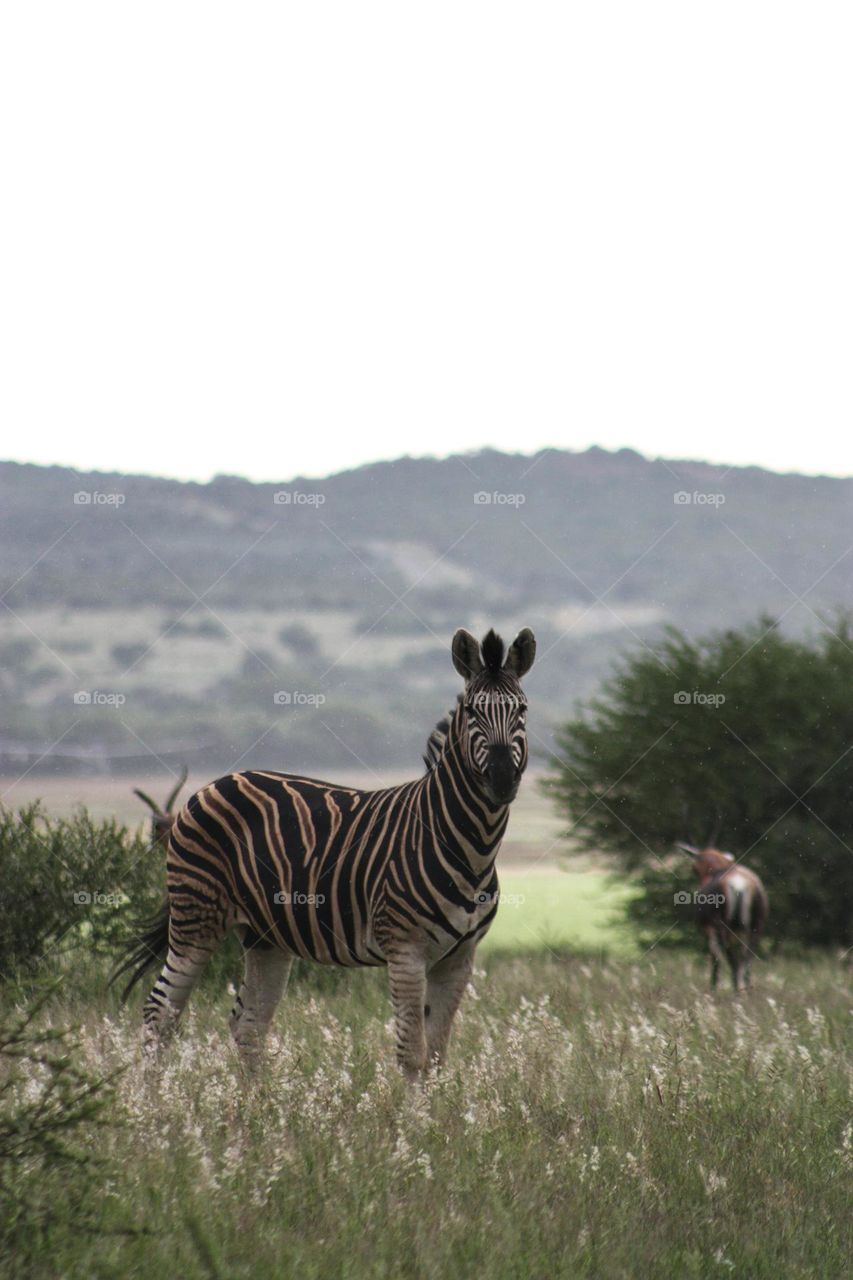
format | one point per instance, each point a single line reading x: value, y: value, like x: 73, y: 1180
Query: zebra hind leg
x: 266, y: 971
x: 184, y: 965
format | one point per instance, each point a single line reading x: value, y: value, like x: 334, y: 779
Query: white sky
x: 272, y: 239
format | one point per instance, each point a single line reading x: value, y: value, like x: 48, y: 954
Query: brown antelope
x: 732, y: 910
x: 162, y: 819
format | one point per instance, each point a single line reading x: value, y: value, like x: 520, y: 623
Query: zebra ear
x: 466, y: 654
x: 522, y: 651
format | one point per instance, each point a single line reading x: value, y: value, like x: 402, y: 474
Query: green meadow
x: 578, y: 911
x: 597, y: 1118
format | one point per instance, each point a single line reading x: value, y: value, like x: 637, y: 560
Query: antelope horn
x: 178, y: 785
x: 688, y: 825
x: 712, y: 838
x: 688, y: 848
x: 147, y: 800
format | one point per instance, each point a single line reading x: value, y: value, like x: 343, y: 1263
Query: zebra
x: 402, y: 877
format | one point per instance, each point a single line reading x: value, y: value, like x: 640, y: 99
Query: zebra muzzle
x: 501, y: 777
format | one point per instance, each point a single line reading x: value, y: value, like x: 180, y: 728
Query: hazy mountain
x: 196, y: 603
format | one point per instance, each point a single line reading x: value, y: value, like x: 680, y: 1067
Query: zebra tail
x: 146, y: 950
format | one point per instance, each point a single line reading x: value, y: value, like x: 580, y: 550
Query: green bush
x: 745, y: 737
x: 68, y: 882
x: 50, y: 1110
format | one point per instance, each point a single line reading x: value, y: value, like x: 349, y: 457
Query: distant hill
x: 196, y: 603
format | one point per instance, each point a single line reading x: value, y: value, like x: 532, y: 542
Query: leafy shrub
x: 745, y: 738
x: 49, y: 1109
x: 69, y: 881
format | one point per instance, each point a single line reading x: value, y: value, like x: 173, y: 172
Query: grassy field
x: 601, y: 1114
x: 559, y: 910
x: 597, y: 1118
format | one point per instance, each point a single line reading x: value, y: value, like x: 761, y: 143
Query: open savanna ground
x: 597, y: 1118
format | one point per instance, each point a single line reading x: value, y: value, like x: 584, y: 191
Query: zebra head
x: 493, y: 710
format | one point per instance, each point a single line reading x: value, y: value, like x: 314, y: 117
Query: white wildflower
x: 845, y: 1151
x: 713, y: 1182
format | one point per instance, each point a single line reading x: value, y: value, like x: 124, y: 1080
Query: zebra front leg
x: 407, y: 975
x: 446, y: 983
x: 266, y: 972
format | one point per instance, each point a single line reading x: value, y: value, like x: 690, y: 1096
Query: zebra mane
x: 492, y: 649
x: 437, y: 739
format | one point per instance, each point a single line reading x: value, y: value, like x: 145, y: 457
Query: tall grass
x: 596, y: 1119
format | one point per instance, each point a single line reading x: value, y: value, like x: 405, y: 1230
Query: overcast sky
x: 290, y: 238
